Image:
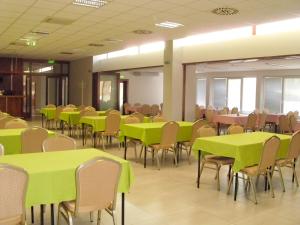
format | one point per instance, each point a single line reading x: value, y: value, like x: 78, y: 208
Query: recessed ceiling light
x: 142, y: 31
x: 112, y: 40
x: 236, y: 61
x: 292, y: 57
x: 90, y: 3
x: 250, y: 60
x: 66, y: 53
x: 95, y: 45
x: 168, y: 24
x: 225, y: 11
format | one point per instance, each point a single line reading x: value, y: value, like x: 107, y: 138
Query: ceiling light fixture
x: 225, y: 11
x: 250, y: 60
x: 168, y: 24
x: 112, y: 40
x: 235, y: 61
x: 90, y: 3
x: 95, y: 45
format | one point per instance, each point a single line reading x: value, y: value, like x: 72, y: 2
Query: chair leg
x: 230, y: 182
x: 270, y: 183
x: 99, y: 217
x: 157, y: 160
x: 135, y: 153
x: 202, y: 167
x: 141, y: 152
x: 188, y: 152
x: 91, y: 217
x: 281, y: 178
x: 253, y: 189
x: 295, y: 175
x: 218, y: 177
x: 113, y: 217
x: 103, y: 144
x: 175, y: 157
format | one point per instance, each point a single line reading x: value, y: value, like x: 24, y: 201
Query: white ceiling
x: 284, y: 63
x: 118, y: 19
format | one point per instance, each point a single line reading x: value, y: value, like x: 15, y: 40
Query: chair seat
x: 219, y: 160
x: 251, y: 170
x: 187, y: 144
x: 11, y: 221
x: 104, y: 133
x: 69, y: 205
x: 159, y: 146
x: 283, y: 162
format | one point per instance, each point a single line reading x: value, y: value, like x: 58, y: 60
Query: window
x: 273, y: 94
x: 291, y: 97
x: 201, y: 92
x: 219, y: 92
x: 234, y: 93
x: 249, y: 94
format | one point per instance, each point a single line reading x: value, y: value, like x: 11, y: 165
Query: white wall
x: 147, y: 88
x: 81, y: 73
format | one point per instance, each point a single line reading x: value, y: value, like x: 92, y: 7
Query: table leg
x: 70, y: 128
x: 198, y: 175
x: 42, y: 214
x: 276, y: 127
x: 83, y: 133
x: 125, y: 147
x: 218, y: 128
x: 42, y: 120
x: 236, y: 186
x: 294, y: 165
x: 123, y: 209
x: 32, y: 214
x: 62, y: 126
x: 145, y: 156
x: 95, y: 138
x: 52, y: 214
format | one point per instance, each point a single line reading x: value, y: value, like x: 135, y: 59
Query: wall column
x: 173, y: 80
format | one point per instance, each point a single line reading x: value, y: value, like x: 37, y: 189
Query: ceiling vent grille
x: 224, y: 11
x: 58, y: 21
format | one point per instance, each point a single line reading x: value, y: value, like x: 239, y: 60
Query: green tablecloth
x: 52, y: 174
x: 74, y: 117
x: 49, y: 113
x: 150, y: 133
x: 245, y: 148
x: 11, y: 140
x: 98, y: 122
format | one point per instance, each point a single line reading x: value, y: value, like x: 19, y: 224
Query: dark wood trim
x: 183, y: 91
x: 95, y: 90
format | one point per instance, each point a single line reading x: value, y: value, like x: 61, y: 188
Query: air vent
x: 224, y: 11
x: 42, y: 33
x: 96, y: 45
x: 57, y: 20
x: 142, y: 31
x: 66, y: 53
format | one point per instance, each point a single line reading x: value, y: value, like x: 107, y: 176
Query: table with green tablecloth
x: 48, y: 113
x: 11, y: 140
x: 52, y: 174
x: 98, y: 124
x: 246, y: 148
x: 150, y: 133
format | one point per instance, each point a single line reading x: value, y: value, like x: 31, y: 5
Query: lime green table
x: 52, y: 174
x: 246, y: 149
x: 11, y: 140
x: 150, y: 133
x: 48, y: 113
x: 98, y: 124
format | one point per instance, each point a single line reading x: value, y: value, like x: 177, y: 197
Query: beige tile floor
x: 170, y: 197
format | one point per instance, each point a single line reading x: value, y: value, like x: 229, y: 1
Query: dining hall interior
x: 144, y: 112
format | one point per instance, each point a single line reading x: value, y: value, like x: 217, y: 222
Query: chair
x: 216, y: 161
x: 126, y: 107
x: 146, y: 109
x: 58, y: 143
x: 261, y: 121
x: 70, y: 106
x: 234, y: 110
x: 2, y: 151
x: 68, y: 109
x: 267, y: 161
x: 293, y: 122
x: 290, y: 160
x: 187, y: 145
x: 235, y: 129
x: 284, y: 124
x: 81, y: 107
x: 158, y: 118
x: 90, y: 108
x: 4, y: 120
x: 32, y: 139
x: 13, y: 188
x: 113, y: 111
x: 16, y: 123
x: 130, y: 120
x: 139, y: 115
x: 154, y: 110
x: 209, y: 116
x: 58, y: 111
x: 251, y: 122
x: 112, y: 127
x: 96, y: 190
x: 167, y: 141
